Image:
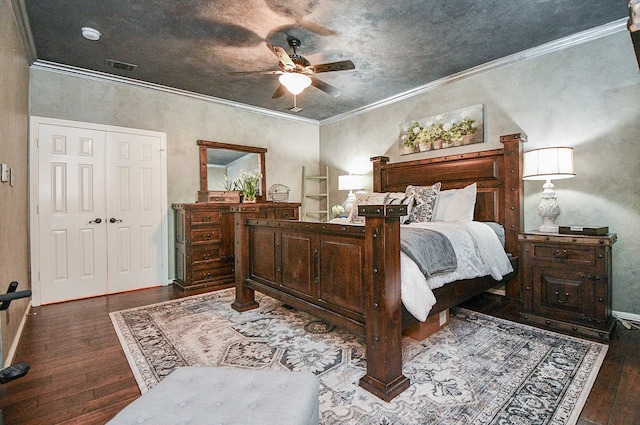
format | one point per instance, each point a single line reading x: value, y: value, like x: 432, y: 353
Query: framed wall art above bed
x: 445, y: 130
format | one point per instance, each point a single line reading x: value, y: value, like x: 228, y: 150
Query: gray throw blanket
x: 430, y: 250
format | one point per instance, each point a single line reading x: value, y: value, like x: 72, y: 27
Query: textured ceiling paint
x: 396, y: 46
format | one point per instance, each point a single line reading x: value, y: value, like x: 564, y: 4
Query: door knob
x: 114, y: 220
x: 96, y: 221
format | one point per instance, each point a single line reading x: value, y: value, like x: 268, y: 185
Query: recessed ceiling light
x: 91, y: 33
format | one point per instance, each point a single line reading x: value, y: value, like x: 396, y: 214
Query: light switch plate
x: 4, y: 172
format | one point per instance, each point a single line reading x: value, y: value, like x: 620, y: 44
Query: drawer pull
x: 561, y: 301
x: 206, y: 256
x: 206, y: 236
x: 207, y: 276
x: 564, y: 254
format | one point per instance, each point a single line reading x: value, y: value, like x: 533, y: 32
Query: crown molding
x: 22, y: 21
x: 554, y: 46
x: 104, y: 77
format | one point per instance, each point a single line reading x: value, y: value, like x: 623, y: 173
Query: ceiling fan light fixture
x: 295, y: 82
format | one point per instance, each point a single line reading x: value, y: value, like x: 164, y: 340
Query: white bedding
x: 479, y: 253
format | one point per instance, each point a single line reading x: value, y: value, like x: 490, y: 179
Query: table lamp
x: 351, y: 182
x: 548, y: 164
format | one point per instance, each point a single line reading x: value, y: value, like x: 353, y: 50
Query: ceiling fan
x: 297, y: 73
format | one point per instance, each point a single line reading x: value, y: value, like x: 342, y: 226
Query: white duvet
x: 478, y: 251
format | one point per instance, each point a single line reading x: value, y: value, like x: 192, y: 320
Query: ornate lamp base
x: 348, y: 205
x: 548, y: 209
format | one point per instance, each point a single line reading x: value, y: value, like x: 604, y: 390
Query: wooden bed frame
x: 350, y: 275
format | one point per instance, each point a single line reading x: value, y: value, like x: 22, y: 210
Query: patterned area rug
x: 477, y: 370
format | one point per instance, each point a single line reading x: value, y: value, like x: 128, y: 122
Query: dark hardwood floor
x: 79, y: 374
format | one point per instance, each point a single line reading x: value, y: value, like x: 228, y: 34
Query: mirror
x: 218, y: 160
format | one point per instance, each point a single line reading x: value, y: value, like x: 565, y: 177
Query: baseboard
x: 14, y: 345
x: 630, y: 317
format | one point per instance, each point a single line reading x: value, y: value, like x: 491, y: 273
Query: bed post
x: 513, y: 197
x: 245, y: 296
x: 378, y: 163
x: 383, y: 303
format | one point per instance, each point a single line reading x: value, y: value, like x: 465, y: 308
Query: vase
x: 404, y: 150
x: 457, y: 142
x: 248, y: 200
x: 467, y: 139
x: 437, y: 144
x: 426, y: 146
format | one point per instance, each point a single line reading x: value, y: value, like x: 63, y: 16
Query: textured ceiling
x: 396, y: 46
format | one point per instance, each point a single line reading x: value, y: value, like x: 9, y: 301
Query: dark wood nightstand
x: 567, y: 282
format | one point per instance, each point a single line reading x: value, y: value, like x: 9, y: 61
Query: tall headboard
x: 497, y: 173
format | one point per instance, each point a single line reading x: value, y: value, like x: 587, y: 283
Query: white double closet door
x: 98, y: 223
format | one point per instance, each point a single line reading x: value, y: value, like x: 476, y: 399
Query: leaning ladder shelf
x: 315, y: 205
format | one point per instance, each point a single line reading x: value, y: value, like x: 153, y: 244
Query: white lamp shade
x: 548, y: 164
x: 350, y: 182
x: 295, y: 82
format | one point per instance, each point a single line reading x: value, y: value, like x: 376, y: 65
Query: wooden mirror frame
x: 206, y: 144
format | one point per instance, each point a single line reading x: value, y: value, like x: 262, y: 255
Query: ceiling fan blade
x: 272, y: 72
x: 327, y: 88
x: 283, y: 56
x: 333, y: 66
x: 280, y: 91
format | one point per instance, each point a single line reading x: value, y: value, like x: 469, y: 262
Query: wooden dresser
x: 567, y: 282
x: 204, y: 241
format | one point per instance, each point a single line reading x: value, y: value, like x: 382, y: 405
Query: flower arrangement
x: 246, y: 184
x: 337, y: 211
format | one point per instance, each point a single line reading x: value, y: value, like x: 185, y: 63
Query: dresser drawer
x: 286, y: 213
x: 211, y: 234
x: 215, y: 273
x: 210, y: 256
x: 205, y: 217
x: 562, y: 255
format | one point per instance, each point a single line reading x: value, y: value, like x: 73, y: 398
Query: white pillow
x: 456, y: 204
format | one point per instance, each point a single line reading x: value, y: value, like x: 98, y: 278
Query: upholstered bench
x: 225, y: 396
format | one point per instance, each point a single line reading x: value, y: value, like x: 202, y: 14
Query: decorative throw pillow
x: 424, y: 202
x: 365, y: 199
x: 456, y: 204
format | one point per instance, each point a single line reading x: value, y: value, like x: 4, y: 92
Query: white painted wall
x: 586, y: 96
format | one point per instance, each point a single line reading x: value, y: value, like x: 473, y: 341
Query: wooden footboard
x: 350, y: 275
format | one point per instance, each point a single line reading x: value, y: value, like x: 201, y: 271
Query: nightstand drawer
x: 561, y: 255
